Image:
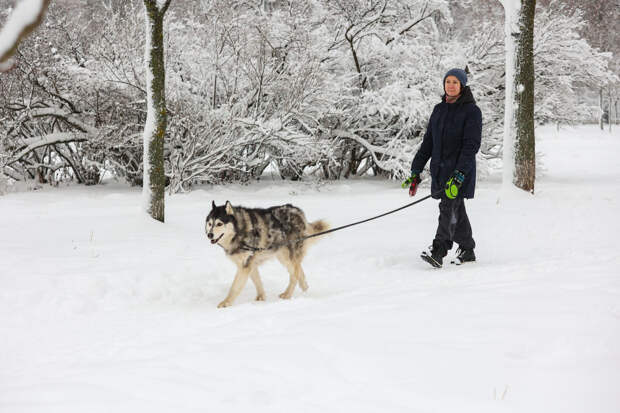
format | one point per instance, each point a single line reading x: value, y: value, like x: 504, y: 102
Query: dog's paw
x: 224, y: 304
x: 285, y: 296
x: 260, y: 297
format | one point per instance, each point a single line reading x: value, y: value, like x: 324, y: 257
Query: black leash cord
x: 250, y: 248
x: 365, y: 220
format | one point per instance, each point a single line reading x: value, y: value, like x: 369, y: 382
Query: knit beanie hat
x: 459, y: 74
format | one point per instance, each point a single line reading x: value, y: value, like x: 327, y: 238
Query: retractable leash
x: 251, y: 248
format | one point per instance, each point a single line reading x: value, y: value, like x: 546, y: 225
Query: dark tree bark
x: 155, y: 129
x: 525, y: 144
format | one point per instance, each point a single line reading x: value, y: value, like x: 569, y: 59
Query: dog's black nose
x: 210, y: 235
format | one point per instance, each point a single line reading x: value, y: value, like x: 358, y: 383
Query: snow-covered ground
x: 103, y: 310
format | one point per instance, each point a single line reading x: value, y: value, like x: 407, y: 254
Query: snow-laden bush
x: 280, y: 89
x: 315, y: 88
x: 65, y: 117
x: 565, y: 66
x: 4, y: 184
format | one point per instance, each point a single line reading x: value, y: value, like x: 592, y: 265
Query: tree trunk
x: 610, y: 111
x: 154, y: 182
x: 519, y: 141
x: 525, y: 144
x: 600, y: 104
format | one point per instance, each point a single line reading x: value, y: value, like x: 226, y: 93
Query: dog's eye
x: 219, y: 224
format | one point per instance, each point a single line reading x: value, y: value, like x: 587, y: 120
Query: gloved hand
x: 454, y: 184
x: 413, y: 182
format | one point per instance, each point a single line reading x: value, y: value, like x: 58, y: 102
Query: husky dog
x: 250, y: 236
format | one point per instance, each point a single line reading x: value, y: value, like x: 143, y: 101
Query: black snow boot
x: 463, y: 256
x: 435, y: 254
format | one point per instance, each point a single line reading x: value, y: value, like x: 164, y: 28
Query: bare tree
x: 154, y: 182
x: 519, y: 139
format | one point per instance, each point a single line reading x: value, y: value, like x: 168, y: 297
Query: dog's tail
x: 315, y: 228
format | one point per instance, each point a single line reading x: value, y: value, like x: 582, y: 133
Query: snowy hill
x: 103, y: 310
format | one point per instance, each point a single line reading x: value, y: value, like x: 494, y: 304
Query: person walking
x: 451, y: 142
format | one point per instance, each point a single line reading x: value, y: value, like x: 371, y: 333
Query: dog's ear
x: 229, y: 208
x: 212, y: 204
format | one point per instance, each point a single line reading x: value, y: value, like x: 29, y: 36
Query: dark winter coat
x: 451, y: 141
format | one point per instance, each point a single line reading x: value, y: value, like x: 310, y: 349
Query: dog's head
x: 220, y: 223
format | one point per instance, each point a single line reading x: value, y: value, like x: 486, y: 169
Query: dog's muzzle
x: 214, y: 241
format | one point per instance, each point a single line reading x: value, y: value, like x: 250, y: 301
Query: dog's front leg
x: 240, y: 279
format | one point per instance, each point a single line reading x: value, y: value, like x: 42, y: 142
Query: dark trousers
x: 453, y: 226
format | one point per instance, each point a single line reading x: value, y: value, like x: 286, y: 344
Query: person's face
x: 452, y: 86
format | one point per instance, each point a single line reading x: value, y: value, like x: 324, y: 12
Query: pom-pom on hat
x: 459, y: 74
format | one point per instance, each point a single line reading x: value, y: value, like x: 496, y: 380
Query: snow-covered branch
x: 68, y: 117
x: 412, y: 24
x: 23, y: 20
x: 41, y: 141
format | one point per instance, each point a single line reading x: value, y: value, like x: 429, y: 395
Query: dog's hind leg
x: 240, y: 279
x: 288, y: 293
x: 260, y: 292
x: 301, y: 277
x: 286, y: 261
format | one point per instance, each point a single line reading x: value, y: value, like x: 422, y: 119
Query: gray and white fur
x: 251, y: 236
